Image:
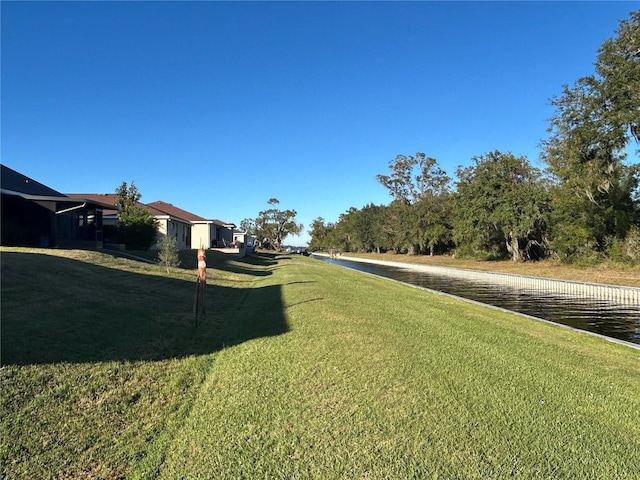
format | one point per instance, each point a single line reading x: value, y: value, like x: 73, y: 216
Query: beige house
x: 212, y: 234
x: 171, y: 226
x: 188, y: 229
x: 202, y: 233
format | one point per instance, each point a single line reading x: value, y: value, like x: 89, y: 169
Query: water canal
x: 618, y: 320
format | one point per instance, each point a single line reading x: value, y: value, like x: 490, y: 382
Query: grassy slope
x: 299, y: 370
x: 101, y: 358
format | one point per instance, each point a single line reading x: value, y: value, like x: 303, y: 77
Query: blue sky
x: 216, y: 107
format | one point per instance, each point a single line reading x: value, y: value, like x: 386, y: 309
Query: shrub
x: 168, y: 254
x: 631, y: 244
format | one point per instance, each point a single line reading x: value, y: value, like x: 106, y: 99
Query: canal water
x: 612, y: 320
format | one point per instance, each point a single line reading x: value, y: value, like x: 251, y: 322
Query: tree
x: 344, y: 235
x: 584, y: 151
x: 393, y: 226
x: 407, y: 186
x: 595, y: 199
x: 598, y: 116
x: 618, y: 66
x: 320, y: 234
x: 501, y: 206
x: 581, y: 229
x: 137, y: 228
x: 435, y: 214
x: 415, y: 181
x: 368, y: 225
x: 410, y: 233
x: 168, y: 254
x: 248, y: 225
x: 275, y: 225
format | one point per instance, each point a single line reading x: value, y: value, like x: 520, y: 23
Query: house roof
x: 16, y: 183
x: 157, y: 208
x: 223, y: 224
x: 215, y: 221
x: 107, y: 200
x: 169, y: 209
x: 174, y: 211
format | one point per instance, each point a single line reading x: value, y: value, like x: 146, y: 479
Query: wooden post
x: 201, y: 285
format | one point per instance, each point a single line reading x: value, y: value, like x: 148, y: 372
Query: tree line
x: 584, y: 206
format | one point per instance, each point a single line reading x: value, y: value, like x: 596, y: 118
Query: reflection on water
x: 604, y: 318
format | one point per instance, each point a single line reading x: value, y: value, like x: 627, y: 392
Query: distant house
x: 212, y: 233
x: 171, y: 222
x: 247, y: 242
x: 203, y: 233
x: 34, y: 214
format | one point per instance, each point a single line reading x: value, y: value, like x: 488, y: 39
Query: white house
x: 247, y: 241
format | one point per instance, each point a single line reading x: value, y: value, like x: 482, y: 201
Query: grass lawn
x: 301, y: 369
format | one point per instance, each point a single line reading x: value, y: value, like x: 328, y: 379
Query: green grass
x: 300, y: 369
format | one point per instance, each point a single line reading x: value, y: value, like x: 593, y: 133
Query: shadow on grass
x: 57, y: 309
x: 259, y: 264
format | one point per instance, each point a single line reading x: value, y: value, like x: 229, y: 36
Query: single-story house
x: 188, y: 229
x: 34, y: 214
x: 247, y: 241
x: 171, y: 225
x: 108, y: 214
x: 177, y: 227
x: 204, y: 233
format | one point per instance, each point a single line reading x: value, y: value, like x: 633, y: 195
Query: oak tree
x: 595, y: 121
x: 501, y: 206
x: 275, y: 225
